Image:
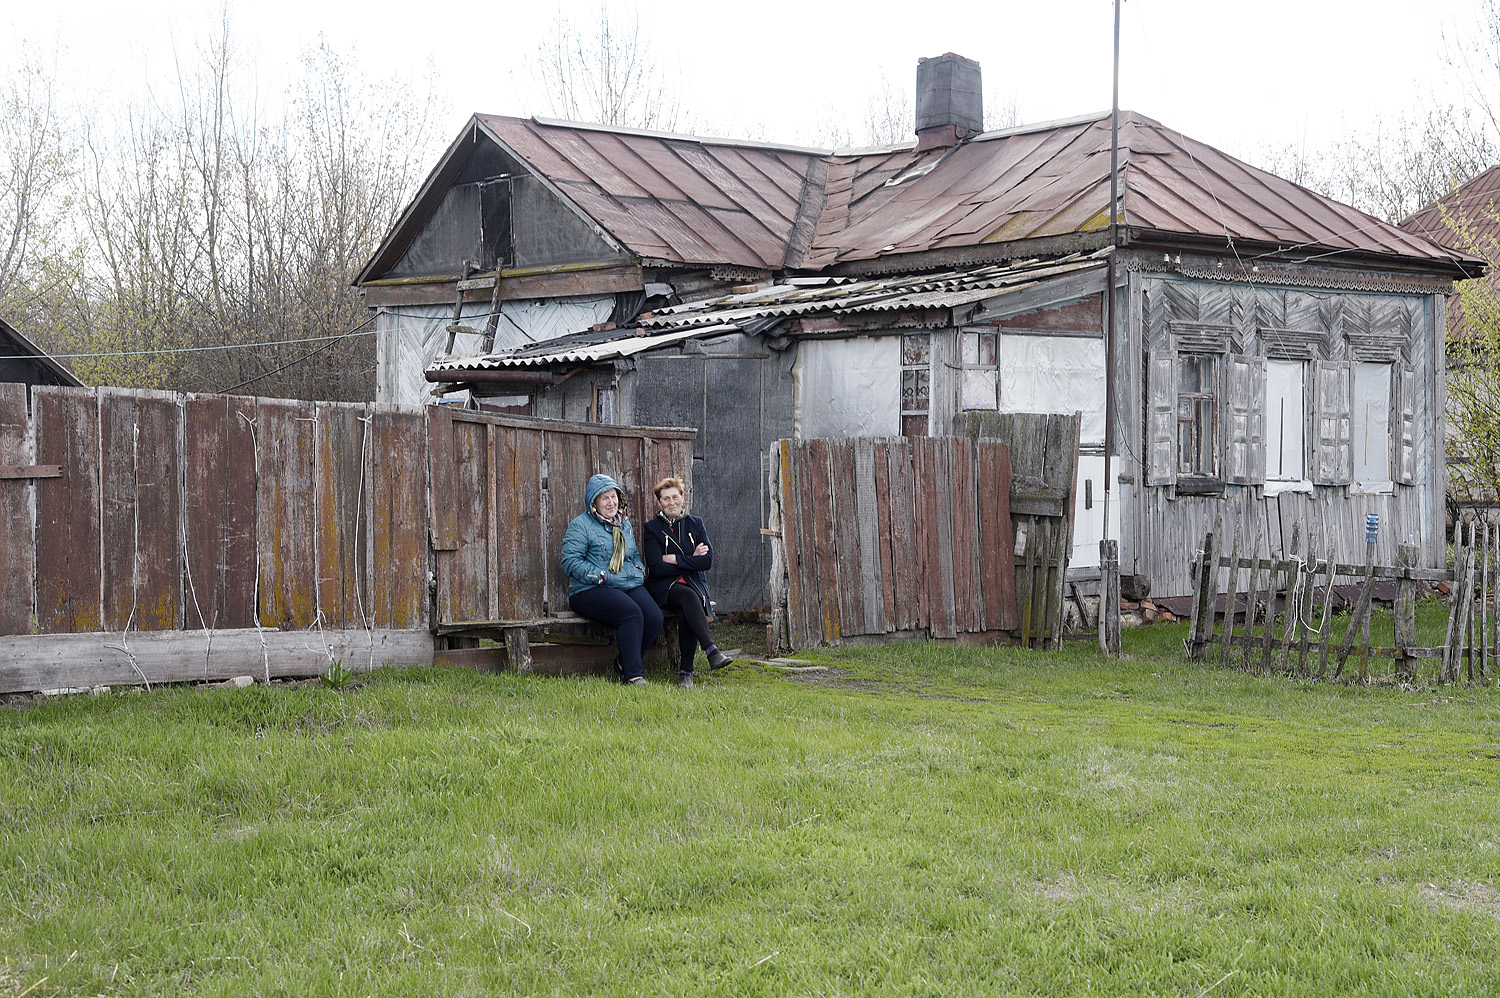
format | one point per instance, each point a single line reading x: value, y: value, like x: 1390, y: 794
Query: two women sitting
x: 607, y: 578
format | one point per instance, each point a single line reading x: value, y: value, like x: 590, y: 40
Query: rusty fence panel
x: 68, y: 594
x: 505, y: 488
x: 17, y: 537
x: 892, y: 536
x: 239, y: 519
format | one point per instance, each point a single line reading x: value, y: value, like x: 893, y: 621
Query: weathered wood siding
x: 1329, y: 328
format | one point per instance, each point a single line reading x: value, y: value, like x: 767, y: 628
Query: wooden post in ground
x: 1482, y: 622
x: 1109, y: 597
x: 1356, y: 622
x: 1231, y: 594
x: 1291, y: 596
x: 1205, y: 599
x: 1453, y: 636
x: 1406, y: 611
x: 1253, y: 598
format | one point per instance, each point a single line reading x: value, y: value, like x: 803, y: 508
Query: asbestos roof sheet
x: 734, y: 313
x: 581, y: 348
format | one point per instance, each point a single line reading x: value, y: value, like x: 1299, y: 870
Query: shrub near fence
x: 1277, y: 614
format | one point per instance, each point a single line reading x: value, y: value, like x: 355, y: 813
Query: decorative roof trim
x: 1238, y: 273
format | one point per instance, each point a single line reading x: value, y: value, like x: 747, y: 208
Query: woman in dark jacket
x: 606, y: 578
x: 677, y: 554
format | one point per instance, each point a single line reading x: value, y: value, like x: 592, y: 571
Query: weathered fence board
x: 285, y: 488
x: 139, y: 517
x: 219, y: 511
x: 68, y: 596
x: 17, y: 540
x: 73, y: 661
x: 892, y: 536
x: 344, y: 452
x: 235, y: 516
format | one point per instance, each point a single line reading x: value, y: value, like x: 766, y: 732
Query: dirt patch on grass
x: 1463, y: 896
x: 833, y: 678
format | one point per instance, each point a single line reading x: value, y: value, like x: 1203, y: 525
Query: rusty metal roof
x: 690, y: 200
x: 1052, y: 180
x: 693, y: 201
x: 678, y: 198
x: 764, y: 307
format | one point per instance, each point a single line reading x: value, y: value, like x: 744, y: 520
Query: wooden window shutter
x: 1161, y: 419
x: 1333, y: 422
x: 1404, y: 425
x: 1245, y: 421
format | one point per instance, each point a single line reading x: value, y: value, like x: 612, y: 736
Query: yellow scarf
x: 617, y: 558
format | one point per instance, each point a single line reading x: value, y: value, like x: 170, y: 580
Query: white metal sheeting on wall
x: 848, y: 388
x: 411, y: 337
x: 1055, y: 374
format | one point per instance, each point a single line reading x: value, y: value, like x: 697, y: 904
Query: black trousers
x: 631, y: 612
x: 692, y: 624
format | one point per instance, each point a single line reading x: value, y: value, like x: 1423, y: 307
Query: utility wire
x: 292, y: 363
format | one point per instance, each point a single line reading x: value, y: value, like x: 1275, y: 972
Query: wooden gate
x: 892, y: 536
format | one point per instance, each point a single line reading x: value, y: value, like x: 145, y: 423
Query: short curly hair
x: 670, y: 482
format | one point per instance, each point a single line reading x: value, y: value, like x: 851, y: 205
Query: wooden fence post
x: 1406, y: 611
x: 1109, y: 597
x: 1291, y: 596
x: 1205, y: 599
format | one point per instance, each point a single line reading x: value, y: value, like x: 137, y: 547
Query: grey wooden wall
x: 1331, y: 328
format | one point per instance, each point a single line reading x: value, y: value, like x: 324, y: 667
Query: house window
x: 604, y: 405
x: 1286, y: 420
x: 981, y: 371
x: 916, y: 383
x: 1372, y: 426
x: 1197, y: 415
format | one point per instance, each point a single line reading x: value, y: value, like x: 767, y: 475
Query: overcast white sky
x: 1242, y: 76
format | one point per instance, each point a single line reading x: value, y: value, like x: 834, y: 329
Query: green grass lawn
x: 919, y: 820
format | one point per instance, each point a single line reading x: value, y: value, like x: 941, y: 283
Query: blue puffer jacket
x: 589, y: 543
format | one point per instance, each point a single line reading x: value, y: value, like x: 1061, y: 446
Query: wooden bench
x: 554, y: 645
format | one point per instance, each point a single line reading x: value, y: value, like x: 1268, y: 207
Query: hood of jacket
x: 598, y: 484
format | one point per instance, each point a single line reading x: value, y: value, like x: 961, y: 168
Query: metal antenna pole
x: 1109, y: 293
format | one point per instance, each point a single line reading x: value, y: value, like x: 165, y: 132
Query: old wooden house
x: 1239, y: 346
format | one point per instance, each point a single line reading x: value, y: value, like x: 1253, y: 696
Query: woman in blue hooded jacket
x: 606, y: 580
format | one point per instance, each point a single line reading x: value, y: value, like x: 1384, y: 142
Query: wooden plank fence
x: 1275, y: 613
x: 877, y: 536
x: 163, y: 537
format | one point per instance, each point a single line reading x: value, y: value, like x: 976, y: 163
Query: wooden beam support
x: 30, y: 471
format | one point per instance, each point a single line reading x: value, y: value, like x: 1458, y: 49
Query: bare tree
x: 606, y: 72
x: 215, y: 226
x: 35, y: 167
x: 890, y: 118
